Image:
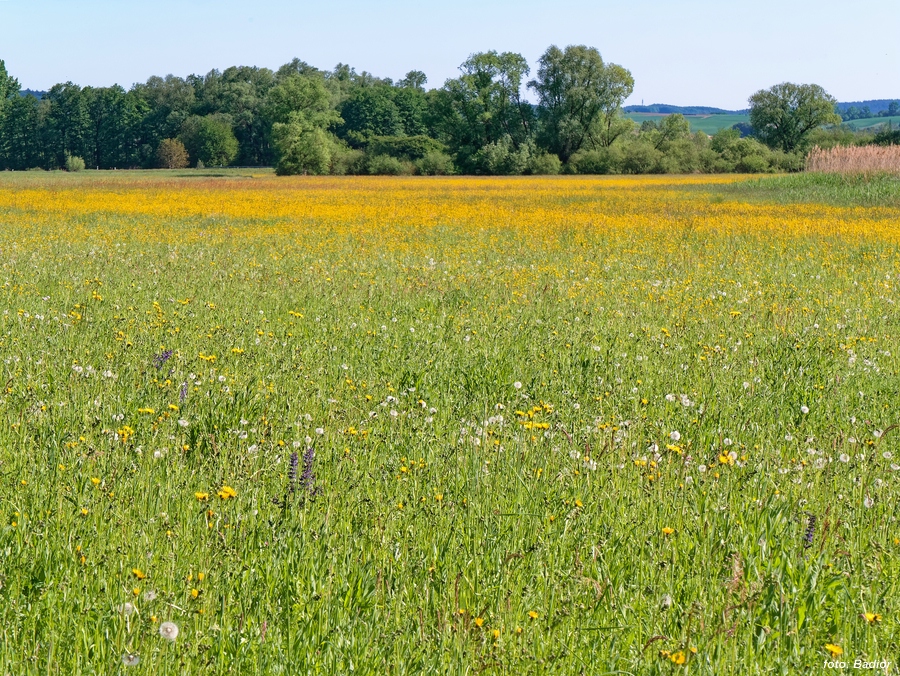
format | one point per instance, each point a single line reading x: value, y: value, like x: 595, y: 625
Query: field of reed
x: 855, y: 160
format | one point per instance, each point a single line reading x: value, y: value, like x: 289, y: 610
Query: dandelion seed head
x: 168, y: 630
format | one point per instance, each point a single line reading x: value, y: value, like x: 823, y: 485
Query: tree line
x: 301, y: 119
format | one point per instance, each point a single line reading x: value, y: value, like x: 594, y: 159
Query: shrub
x: 753, y: 164
x: 171, y: 154
x: 601, y: 161
x: 345, y: 160
x: 404, y: 147
x: 641, y: 158
x: 209, y: 139
x: 502, y: 157
x: 302, y: 150
x: 435, y: 164
x: 888, y: 137
x: 385, y: 165
x: 74, y: 163
x: 543, y: 163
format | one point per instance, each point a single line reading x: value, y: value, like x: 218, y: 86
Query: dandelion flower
x: 127, y: 609
x: 668, y: 531
x: 168, y: 630
x: 479, y: 621
x: 835, y: 650
x: 872, y: 618
x: 532, y: 614
x: 138, y: 573
x: 517, y: 385
x: 675, y: 435
x: 130, y: 659
x: 227, y: 492
x: 804, y: 410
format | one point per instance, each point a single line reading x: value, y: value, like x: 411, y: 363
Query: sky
x: 689, y: 52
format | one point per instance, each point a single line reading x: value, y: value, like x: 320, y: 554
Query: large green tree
x: 483, y: 106
x: 209, y: 139
x: 67, y: 124
x: 9, y: 86
x: 300, y: 108
x: 113, y: 137
x: 21, y: 133
x: 170, y: 100
x: 580, y: 99
x: 240, y: 92
x: 784, y: 115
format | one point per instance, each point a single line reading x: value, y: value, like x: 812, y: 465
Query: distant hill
x: 666, y: 109
x: 875, y: 105
x: 35, y: 93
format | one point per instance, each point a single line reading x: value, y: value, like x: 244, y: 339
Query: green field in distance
x: 871, y: 122
x: 705, y: 123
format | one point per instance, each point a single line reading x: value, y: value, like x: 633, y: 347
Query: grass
x: 881, y: 190
x: 873, y: 122
x: 559, y: 426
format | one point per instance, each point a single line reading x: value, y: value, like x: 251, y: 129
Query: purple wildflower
x: 183, y: 394
x: 810, y: 532
x: 292, y: 471
x: 308, y: 478
x: 161, y: 358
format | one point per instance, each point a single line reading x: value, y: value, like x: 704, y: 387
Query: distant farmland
x: 705, y: 123
x: 872, y: 122
x: 713, y: 123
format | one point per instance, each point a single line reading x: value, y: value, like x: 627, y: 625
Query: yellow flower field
x: 454, y: 425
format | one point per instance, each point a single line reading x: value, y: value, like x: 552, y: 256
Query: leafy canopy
x: 784, y: 115
x: 580, y: 99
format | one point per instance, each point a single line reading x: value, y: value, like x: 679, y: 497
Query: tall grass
x: 538, y: 426
x: 855, y: 160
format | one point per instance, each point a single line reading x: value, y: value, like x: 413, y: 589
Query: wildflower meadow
x: 334, y: 425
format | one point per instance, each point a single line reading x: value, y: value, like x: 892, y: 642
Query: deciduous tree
x: 785, y: 114
x: 580, y: 99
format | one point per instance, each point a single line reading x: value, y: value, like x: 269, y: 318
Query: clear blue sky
x: 688, y: 52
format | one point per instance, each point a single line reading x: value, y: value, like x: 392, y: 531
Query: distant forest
x: 301, y: 119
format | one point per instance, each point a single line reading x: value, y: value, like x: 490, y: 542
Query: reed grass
x: 855, y: 160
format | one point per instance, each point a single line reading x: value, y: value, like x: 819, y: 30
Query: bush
x: 171, y: 154
x: 345, y: 160
x: 888, y: 137
x: 385, y: 165
x: 641, y: 158
x: 543, y: 163
x: 435, y: 164
x: 404, y: 147
x: 787, y: 162
x: 209, y: 139
x: 601, y: 161
x: 502, y: 158
x: 753, y: 164
x: 74, y: 163
x: 302, y: 149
